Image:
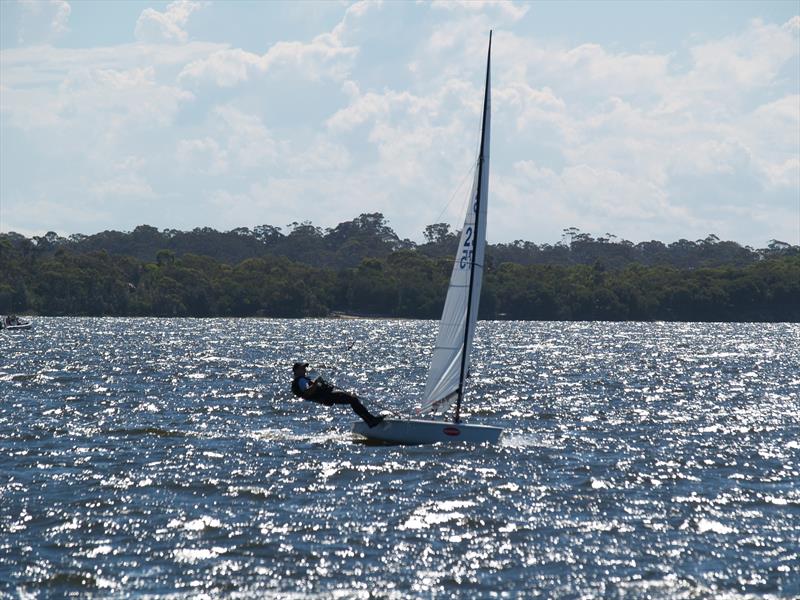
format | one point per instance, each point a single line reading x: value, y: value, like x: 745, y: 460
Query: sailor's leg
x: 340, y: 397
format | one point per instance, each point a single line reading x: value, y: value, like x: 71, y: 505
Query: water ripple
x: 166, y: 457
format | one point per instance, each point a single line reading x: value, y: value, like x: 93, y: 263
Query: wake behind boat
x: 450, y: 363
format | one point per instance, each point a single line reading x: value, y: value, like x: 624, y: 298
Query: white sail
x: 451, y: 353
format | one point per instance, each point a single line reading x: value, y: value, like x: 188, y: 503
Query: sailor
x: 320, y: 391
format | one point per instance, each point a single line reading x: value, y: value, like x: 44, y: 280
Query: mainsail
x: 451, y: 353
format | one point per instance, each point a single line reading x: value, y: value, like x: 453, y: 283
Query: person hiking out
x: 320, y: 391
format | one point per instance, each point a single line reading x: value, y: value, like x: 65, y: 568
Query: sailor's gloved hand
x: 323, y: 385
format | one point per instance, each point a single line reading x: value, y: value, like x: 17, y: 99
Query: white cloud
x: 784, y: 174
x: 46, y: 88
x: 773, y: 131
x: 42, y: 21
x: 533, y: 107
x: 420, y: 141
x: 591, y: 66
x: 123, y: 188
x: 40, y: 66
x: 280, y: 200
x: 203, y: 155
x: 130, y: 97
x: 94, y: 105
x: 225, y: 68
x: 62, y: 215
x: 612, y: 195
x: 240, y: 143
x: 243, y: 144
x: 323, y: 57
x: 641, y: 144
x: 370, y: 107
x: 154, y: 26
x: 750, y: 59
x: 250, y: 144
x: 321, y: 156
x: 651, y: 129
x: 505, y: 8
x: 597, y: 193
x: 326, y: 56
x: 596, y: 200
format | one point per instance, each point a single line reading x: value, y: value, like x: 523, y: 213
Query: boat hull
x: 16, y: 327
x: 420, y: 431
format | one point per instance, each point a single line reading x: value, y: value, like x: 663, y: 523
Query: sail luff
x: 451, y: 355
x: 478, y: 232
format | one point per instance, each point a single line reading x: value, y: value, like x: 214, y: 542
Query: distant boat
x: 450, y: 364
x: 12, y: 322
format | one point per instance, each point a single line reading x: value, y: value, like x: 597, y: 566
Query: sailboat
x: 449, y: 368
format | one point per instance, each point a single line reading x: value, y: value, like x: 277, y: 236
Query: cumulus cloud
x: 680, y: 137
x: 605, y: 194
x: 370, y: 107
x: 48, y: 89
x: 784, y: 174
x: 168, y: 26
x: 242, y: 143
x: 202, y: 154
x: 122, y: 188
x: 626, y: 151
x: 417, y: 138
x: 47, y: 66
x: 239, y: 142
x: 224, y: 68
x: 749, y: 59
x: 642, y: 144
x: 42, y: 21
x: 326, y: 56
x: 132, y: 96
x: 250, y: 144
x: 323, y: 57
x: 320, y: 156
x: 510, y: 10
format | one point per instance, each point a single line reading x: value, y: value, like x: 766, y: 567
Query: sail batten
x: 451, y: 353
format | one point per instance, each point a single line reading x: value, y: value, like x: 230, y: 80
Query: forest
x: 361, y: 267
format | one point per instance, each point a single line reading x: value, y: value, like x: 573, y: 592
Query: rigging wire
x: 456, y: 191
x: 476, y: 144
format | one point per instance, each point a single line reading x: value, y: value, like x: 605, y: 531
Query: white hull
x: 418, y: 431
x: 16, y: 327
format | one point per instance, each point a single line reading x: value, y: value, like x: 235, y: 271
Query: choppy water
x: 142, y: 456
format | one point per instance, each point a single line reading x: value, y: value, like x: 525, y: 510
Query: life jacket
x: 296, y: 387
x: 322, y: 388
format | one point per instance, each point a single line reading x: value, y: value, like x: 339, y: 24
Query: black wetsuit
x: 325, y: 393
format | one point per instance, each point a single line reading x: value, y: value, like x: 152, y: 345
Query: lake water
x: 159, y: 456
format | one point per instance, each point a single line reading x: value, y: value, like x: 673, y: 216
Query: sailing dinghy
x: 14, y: 323
x: 450, y: 364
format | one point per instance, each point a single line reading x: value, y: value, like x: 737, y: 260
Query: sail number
x: 466, y: 252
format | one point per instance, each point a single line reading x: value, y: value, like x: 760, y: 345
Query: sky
x: 644, y: 120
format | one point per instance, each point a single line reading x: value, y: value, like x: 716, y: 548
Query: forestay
x: 451, y: 353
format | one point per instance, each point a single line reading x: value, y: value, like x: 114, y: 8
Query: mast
x: 478, y: 199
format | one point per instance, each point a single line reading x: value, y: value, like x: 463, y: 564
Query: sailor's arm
x: 311, y: 389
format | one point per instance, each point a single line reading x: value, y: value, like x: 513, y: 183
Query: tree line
x: 370, y: 236
x: 363, y: 267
